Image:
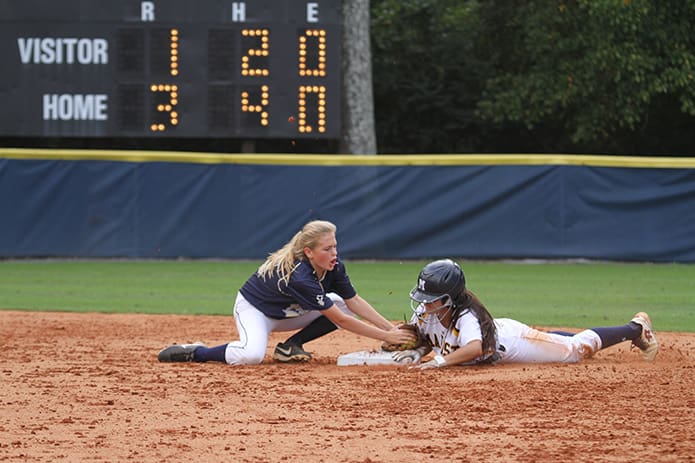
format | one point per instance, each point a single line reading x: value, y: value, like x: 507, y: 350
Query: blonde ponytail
x: 286, y: 259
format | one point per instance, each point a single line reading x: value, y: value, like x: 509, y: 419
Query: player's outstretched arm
x: 364, y: 309
x: 350, y: 323
x: 465, y: 354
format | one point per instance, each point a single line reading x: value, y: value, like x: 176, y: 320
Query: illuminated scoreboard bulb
x: 320, y: 98
x: 173, y: 52
x: 261, y: 109
x: 257, y: 53
x: 319, y: 43
x: 168, y: 108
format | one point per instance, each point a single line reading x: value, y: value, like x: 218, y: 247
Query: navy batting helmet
x: 437, y: 280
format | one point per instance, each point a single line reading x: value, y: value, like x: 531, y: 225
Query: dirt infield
x: 88, y: 387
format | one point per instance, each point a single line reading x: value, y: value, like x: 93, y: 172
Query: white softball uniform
x: 255, y: 327
x: 516, y: 342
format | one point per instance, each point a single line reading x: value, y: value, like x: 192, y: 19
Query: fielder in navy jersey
x: 461, y: 331
x: 302, y: 286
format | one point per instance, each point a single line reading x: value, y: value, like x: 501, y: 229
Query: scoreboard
x: 170, y: 68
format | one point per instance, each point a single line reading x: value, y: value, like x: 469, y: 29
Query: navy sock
x: 207, y: 354
x: 611, y: 335
x: 319, y: 327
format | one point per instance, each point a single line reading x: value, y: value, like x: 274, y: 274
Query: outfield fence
x: 72, y: 203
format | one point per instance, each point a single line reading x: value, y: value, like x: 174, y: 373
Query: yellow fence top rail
x: 350, y: 160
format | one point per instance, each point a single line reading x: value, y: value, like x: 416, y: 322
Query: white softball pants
x: 255, y: 327
x: 519, y: 343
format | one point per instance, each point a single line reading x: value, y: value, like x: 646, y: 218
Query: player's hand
x: 398, y: 336
x: 407, y: 356
x: 426, y: 365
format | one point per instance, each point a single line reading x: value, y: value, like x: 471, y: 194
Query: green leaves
x: 597, y: 75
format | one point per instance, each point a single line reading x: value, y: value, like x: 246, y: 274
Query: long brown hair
x: 469, y: 301
x: 286, y: 259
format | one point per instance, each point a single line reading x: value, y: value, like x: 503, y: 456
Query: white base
x: 368, y: 358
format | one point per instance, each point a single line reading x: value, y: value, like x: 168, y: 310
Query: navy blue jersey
x: 304, y: 291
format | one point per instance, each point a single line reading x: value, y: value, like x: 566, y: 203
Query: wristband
x: 439, y: 361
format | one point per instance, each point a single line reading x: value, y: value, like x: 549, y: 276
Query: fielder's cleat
x: 179, y: 352
x: 290, y: 353
x: 647, y: 342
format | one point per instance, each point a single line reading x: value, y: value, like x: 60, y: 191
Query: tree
x: 601, y: 76
x: 426, y: 76
x: 358, y: 101
x: 601, y: 72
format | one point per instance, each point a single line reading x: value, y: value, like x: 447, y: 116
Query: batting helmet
x: 437, y: 280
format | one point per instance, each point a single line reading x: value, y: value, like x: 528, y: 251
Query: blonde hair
x: 291, y: 254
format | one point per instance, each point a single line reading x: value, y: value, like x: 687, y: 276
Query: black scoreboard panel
x: 170, y: 68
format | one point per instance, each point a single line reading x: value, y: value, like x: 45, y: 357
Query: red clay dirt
x: 88, y: 387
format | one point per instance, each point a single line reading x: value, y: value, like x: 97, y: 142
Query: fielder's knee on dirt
x: 243, y: 355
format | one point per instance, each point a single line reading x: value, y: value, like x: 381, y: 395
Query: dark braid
x: 469, y: 301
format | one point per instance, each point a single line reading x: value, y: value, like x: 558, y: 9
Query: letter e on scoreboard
x: 312, y: 12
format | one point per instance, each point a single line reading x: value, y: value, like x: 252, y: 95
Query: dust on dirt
x: 88, y: 387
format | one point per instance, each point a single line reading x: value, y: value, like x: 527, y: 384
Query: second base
x: 367, y: 358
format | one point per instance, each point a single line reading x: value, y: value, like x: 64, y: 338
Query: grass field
x: 549, y: 294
